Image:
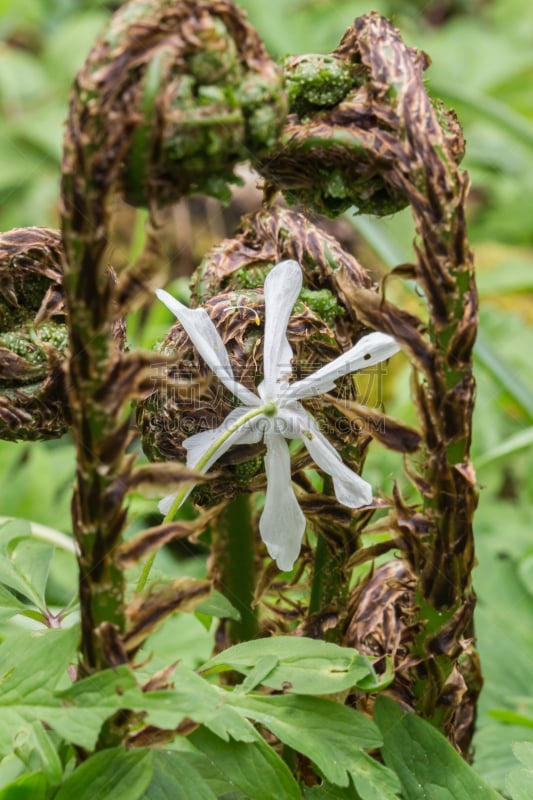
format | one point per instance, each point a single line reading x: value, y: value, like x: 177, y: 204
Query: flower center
x: 270, y: 408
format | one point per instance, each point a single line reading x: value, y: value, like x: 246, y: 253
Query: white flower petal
x: 282, y: 523
x: 198, y: 445
x: 368, y: 351
x: 165, y: 504
x: 350, y: 489
x: 290, y: 420
x: 282, y: 287
x: 205, y: 337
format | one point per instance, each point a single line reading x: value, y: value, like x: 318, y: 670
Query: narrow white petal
x: 350, y: 489
x: 282, y: 523
x: 165, y: 504
x: 198, y: 445
x: 282, y: 287
x: 205, y: 337
x: 368, y: 351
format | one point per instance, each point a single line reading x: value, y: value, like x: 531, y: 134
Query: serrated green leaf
x: 203, y: 706
x: 328, y: 733
x: 35, y: 660
x: 254, y: 767
x: 305, y: 666
x: 32, y: 665
x: 428, y: 767
x: 94, y: 699
x: 83, y: 707
x: 113, y: 774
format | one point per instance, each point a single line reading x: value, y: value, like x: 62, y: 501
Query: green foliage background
x: 483, y: 67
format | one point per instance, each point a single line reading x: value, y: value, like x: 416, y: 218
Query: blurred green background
x: 483, y: 67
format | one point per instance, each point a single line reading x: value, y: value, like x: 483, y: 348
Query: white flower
x: 274, y: 413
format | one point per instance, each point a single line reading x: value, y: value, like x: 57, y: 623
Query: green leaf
x: 27, y: 787
x: 520, y: 781
x: 494, y: 757
x: 116, y: 774
x: 196, y: 643
x: 194, y: 697
x: 91, y: 701
x: 253, y: 767
x: 113, y: 774
x: 34, y: 660
x: 257, y: 675
x: 511, y: 717
x: 174, y: 778
x: 31, y: 558
x: 83, y: 707
x: 327, y: 791
x: 36, y: 491
x: 503, y: 373
x: 427, y: 765
x: 31, y: 666
x: 11, y: 768
x: 524, y: 753
x: 218, y: 606
x: 505, y: 638
x: 512, y: 445
x: 12, y: 529
x: 375, y: 783
x: 210, y: 771
x: 373, y: 780
x: 36, y: 751
x: 328, y: 733
x: 45, y: 749
x: 9, y: 604
x: 24, y: 561
x: 511, y: 276
x: 304, y: 666
x: 490, y: 109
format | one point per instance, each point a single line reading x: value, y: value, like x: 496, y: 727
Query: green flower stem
x: 235, y: 566
x: 268, y: 409
x: 321, y: 567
